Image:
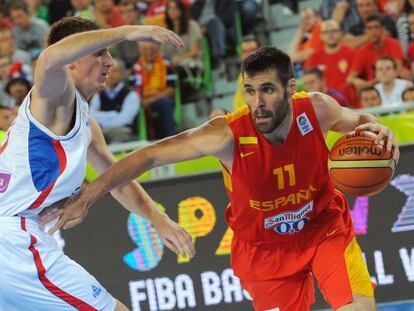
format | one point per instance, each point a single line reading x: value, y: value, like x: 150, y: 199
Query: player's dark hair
x: 68, y: 26
x: 269, y: 58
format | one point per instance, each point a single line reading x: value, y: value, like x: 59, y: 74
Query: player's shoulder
x: 323, y: 104
x: 319, y: 98
x: 236, y: 114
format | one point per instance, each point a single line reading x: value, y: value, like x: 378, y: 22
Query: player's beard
x: 276, y: 117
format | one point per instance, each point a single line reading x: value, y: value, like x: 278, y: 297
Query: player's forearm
x: 82, y: 44
x: 122, y: 172
x: 135, y: 199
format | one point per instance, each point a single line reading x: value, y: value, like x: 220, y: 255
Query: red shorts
x: 280, y: 275
x: 339, y: 271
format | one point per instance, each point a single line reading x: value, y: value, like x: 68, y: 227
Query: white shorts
x: 36, y: 275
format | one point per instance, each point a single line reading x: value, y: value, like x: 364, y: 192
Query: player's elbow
x: 48, y: 60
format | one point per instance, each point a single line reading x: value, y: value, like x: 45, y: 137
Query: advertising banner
x: 125, y: 254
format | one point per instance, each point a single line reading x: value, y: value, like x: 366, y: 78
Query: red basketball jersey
x: 278, y: 193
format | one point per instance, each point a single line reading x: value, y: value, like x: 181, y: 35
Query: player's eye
x: 268, y: 90
x: 249, y: 91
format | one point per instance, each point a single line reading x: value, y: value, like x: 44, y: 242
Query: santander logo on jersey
x: 289, y: 222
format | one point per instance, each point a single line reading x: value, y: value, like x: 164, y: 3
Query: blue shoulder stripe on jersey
x: 43, y: 159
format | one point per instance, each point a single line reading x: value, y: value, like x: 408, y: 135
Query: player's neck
x: 280, y: 134
x: 85, y: 93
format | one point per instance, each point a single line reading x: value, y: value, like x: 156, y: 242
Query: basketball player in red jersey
x: 289, y: 222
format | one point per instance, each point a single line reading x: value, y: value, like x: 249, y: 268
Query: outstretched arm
x: 134, y: 198
x: 213, y: 138
x: 53, y: 86
x: 334, y: 117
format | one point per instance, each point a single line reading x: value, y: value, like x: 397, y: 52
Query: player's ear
x: 291, y: 87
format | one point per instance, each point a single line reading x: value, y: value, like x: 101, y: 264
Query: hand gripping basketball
x: 359, y: 165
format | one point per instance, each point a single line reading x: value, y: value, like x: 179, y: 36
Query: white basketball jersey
x: 37, y: 167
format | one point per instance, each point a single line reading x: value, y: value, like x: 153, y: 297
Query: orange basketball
x: 358, y: 165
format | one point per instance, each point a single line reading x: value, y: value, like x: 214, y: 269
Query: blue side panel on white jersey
x: 43, y: 159
x: 38, y: 167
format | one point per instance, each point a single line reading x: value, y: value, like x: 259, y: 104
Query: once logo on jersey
x: 4, y: 181
x: 304, y: 124
x: 289, y: 222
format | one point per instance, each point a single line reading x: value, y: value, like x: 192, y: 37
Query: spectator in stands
x: 17, y: 89
x: 203, y: 11
x: 154, y: 80
x: 128, y: 50
x: 116, y: 107
x: 249, y: 46
x: 39, y: 10
x: 9, y: 70
x: 156, y: 13
x: 59, y: 9
x: 334, y: 59
x: 83, y: 9
x: 314, y: 81
x: 107, y: 14
x: 408, y: 94
x: 408, y: 97
x: 307, y: 38
x: 345, y: 13
x: 392, y: 8
x: 369, y: 97
x: 357, y: 35
x: 8, y: 47
x: 249, y: 9
x: 226, y: 11
x: 362, y: 72
x: 29, y: 32
x: 389, y: 87
x: 187, y: 60
x: 7, y: 115
x: 405, y: 26
x: 410, y: 51
x: 4, y: 12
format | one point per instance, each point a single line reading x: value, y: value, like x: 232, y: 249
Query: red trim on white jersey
x: 41, y: 272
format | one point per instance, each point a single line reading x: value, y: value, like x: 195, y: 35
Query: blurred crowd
x: 357, y: 49
x: 361, y: 52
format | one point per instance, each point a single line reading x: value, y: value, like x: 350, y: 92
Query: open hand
x: 154, y: 34
x: 174, y: 236
x: 70, y: 214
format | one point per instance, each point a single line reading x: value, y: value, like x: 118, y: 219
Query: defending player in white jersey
x: 43, y: 160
